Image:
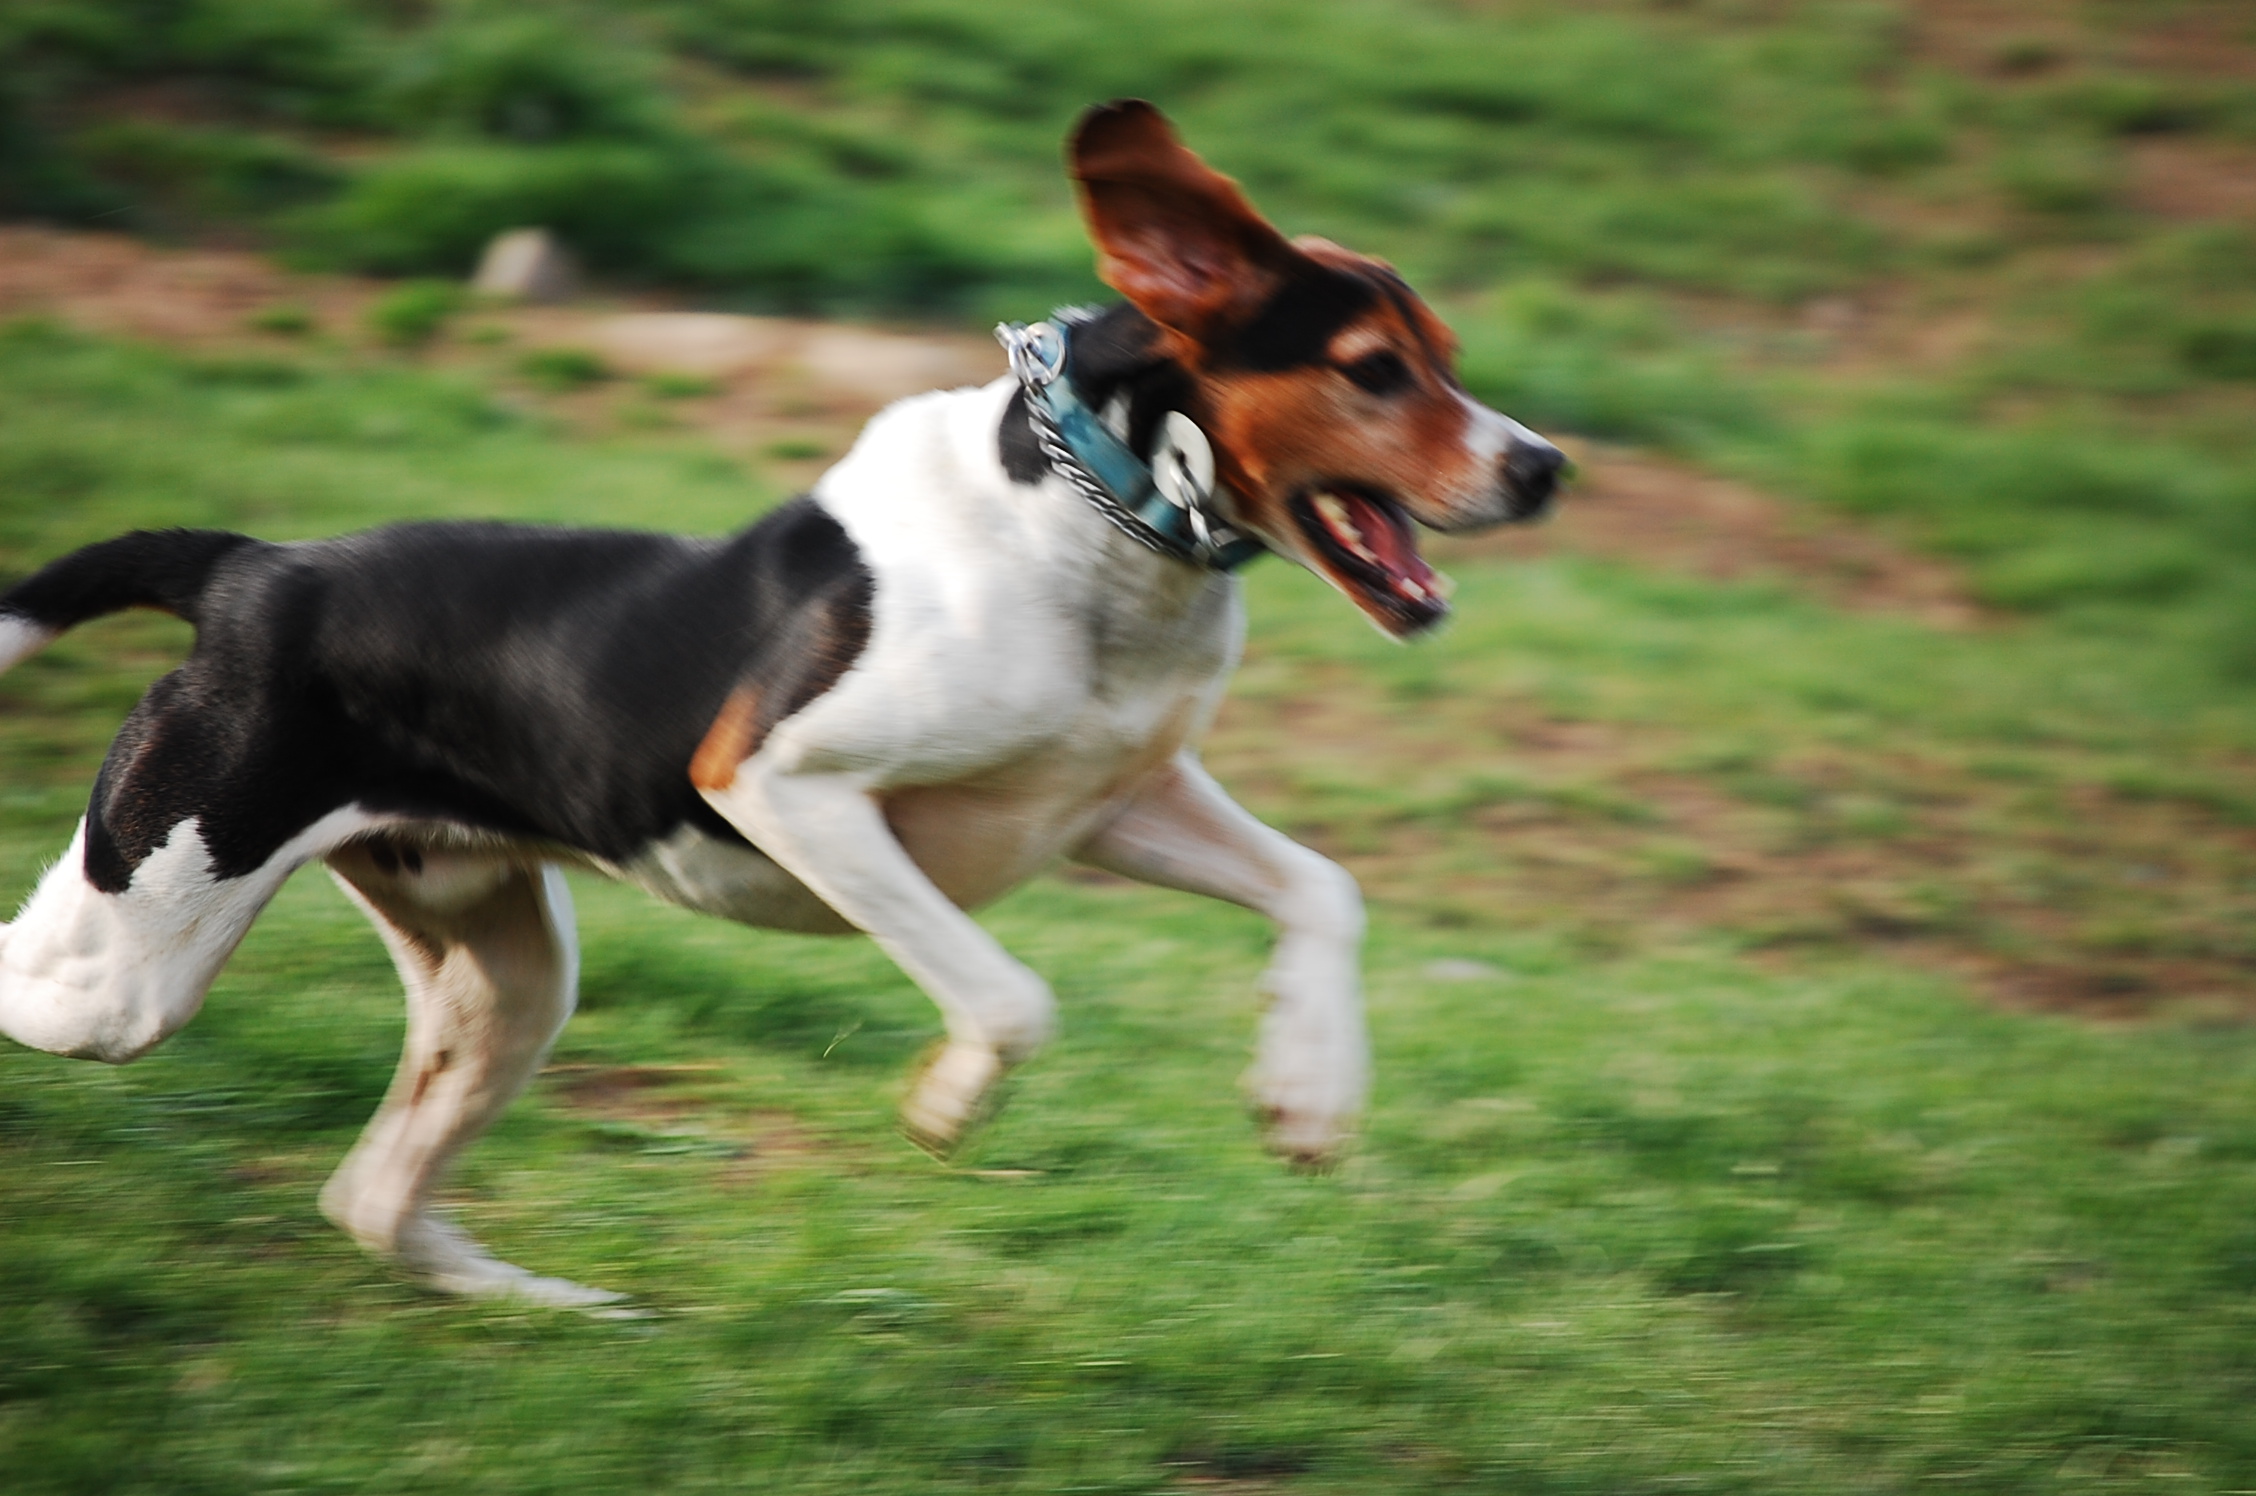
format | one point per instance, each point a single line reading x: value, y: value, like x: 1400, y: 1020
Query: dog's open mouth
x: 1367, y: 543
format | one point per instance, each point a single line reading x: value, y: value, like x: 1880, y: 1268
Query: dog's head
x: 1328, y: 389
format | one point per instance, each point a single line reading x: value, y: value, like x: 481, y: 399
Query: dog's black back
x: 546, y: 684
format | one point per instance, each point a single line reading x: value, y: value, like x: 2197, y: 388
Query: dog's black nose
x: 1531, y: 477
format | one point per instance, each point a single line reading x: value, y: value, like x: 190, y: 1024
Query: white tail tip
x: 20, y: 638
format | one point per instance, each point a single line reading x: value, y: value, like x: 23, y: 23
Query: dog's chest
x: 1106, y: 687
x: 976, y: 834
x: 989, y: 762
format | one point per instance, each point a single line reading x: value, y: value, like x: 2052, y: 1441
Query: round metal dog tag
x: 1183, y: 463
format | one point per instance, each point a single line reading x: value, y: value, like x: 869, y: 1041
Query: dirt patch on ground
x: 2039, y: 877
x: 1996, y: 36
x: 2033, y: 38
x: 655, y: 1095
x: 2194, y: 180
x: 2212, y: 40
x: 672, y: 1112
x: 111, y: 284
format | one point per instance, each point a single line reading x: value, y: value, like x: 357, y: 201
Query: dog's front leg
x: 1312, y: 1066
x: 828, y: 831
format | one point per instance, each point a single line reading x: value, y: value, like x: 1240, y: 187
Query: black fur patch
x: 1023, y: 461
x: 543, y: 683
x: 162, y: 569
x: 1293, y: 328
x: 1116, y: 354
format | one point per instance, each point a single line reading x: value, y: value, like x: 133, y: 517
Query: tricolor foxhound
x: 988, y: 639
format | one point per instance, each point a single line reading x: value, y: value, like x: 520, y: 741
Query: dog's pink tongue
x: 1389, y: 544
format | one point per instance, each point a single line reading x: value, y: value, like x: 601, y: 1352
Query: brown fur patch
x: 1173, y: 235
x: 1278, y: 431
x: 728, y: 742
x: 822, y: 646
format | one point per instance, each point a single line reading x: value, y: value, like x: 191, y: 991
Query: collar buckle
x: 1037, y: 352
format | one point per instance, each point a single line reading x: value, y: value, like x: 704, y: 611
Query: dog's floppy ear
x: 1174, y: 236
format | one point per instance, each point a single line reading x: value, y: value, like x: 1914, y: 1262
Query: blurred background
x: 1813, y: 880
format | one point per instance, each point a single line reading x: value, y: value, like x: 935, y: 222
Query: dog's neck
x: 1115, y: 365
x: 1116, y: 356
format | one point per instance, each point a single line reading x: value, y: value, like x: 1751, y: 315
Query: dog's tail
x: 162, y: 569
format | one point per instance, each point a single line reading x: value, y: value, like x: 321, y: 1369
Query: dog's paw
x: 1312, y: 1142
x: 1307, y: 1116
x: 957, y: 1090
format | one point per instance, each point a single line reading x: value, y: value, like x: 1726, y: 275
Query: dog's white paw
x: 1308, y: 1111
x: 954, y: 1093
x: 1306, y: 1141
x: 1306, y: 1138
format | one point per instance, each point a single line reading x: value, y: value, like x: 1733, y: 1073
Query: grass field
x: 1812, y: 1042
x: 1698, y: 1160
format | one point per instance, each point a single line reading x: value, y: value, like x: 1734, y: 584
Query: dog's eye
x: 1382, y: 373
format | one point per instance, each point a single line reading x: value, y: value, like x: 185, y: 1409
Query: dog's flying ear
x: 1174, y: 236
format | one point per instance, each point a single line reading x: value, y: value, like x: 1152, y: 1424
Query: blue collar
x: 1171, y: 511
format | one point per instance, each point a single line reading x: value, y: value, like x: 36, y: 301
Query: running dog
x: 987, y: 640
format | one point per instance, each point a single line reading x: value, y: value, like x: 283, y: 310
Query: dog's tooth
x: 1342, y: 525
x: 1410, y: 589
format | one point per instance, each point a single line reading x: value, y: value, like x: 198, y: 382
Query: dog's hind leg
x: 187, y: 835
x: 1312, y: 1065
x: 108, y: 974
x: 487, y: 949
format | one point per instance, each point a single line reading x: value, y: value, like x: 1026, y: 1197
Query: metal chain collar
x: 1168, y: 512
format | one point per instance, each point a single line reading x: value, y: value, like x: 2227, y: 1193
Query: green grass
x: 904, y: 151
x: 1639, y: 1206
x: 412, y: 314
x: 1703, y: 1160
x: 558, y: 370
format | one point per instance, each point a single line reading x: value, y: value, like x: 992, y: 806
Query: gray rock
x: 525, y: 265
x: 1458, y: 969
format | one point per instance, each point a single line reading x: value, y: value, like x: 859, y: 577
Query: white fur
x: 1491, y: 437
x: 20, y: 639
x: 728, y: 879
x: 107, y: 976
x: 1312, y: 1069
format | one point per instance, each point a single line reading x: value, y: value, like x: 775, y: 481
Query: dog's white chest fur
x: 1007, y: 617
